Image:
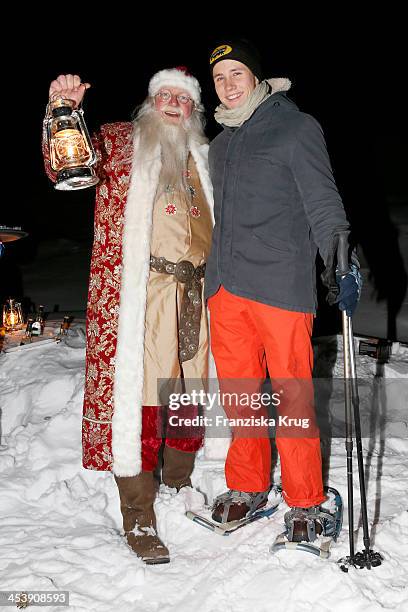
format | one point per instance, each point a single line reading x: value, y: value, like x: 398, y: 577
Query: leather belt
x: 191, y: 302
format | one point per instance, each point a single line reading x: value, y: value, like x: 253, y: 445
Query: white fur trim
x: 200, y: 156
x: 128, y: 384
x: 129, y: 375
x: 279, y: 84
x: 175, y: 78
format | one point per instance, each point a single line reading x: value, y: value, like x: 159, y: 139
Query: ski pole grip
x: 342, y: 254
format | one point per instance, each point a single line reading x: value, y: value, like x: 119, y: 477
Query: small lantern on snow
x: 12, y: 316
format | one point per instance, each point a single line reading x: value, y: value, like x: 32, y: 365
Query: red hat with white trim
x: 176, y: 77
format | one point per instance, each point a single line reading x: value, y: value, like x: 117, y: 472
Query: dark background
x: 345, y: 71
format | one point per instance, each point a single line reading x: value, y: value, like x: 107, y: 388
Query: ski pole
x: 343, y: 268
x: 368, y: 558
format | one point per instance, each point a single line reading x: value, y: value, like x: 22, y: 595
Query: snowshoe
x: 236, y: 505
x: 240, y: 508
x: 318, y: 524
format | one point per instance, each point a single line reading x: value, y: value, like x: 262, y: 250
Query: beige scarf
x: 235, y: 117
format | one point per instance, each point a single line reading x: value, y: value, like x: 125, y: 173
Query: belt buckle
x: 184, y: 271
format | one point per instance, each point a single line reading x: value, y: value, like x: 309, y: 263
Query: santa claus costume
x: 142, y: 294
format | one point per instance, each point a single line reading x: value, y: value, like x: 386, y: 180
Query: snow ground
x: 60, y: 525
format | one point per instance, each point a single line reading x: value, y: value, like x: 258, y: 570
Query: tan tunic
x: 180, y: 236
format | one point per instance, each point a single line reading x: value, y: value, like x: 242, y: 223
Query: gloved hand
x: 349, y: 290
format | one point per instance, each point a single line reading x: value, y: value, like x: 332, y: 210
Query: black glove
x: 349, y: 289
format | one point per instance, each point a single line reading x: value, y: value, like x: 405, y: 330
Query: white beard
x: 174, y: 156
x: 174, y: 142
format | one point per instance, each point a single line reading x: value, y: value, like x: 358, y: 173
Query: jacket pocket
x: 275, y: 244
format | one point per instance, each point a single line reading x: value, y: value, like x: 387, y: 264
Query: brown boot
x: 137, y: 494
x: 177, y: 468
x: 236, y: 505
x: 305, y: 524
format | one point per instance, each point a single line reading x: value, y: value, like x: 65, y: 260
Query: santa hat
x: 176, y: 77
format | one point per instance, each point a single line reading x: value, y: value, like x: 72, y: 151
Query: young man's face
x: 234, y: 82
x: 173, y: 104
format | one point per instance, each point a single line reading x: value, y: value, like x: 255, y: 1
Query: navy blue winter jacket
x: 276, y: 202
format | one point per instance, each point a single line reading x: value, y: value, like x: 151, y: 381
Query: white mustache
x: 171, y: 109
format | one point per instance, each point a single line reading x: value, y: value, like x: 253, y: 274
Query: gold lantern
x: 72, y: 155
x: 12, y: 315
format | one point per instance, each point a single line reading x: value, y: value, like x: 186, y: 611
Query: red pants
x: 155, y: 429
x: 248, y: 337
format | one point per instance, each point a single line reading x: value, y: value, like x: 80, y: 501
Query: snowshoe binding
x: 235, y: 509
x: 237, y: 505
x: 305, y: 526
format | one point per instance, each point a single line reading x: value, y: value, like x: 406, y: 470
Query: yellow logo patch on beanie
x: 219, y: 52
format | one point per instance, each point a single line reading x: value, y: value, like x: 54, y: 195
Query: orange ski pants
x: 248, y: 339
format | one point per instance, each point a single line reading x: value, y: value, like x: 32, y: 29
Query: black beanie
x: 241, y: 50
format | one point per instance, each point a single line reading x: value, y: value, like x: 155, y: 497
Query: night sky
x: 342, y: 70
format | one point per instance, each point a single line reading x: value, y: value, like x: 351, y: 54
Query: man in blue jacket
x: 276, y: 204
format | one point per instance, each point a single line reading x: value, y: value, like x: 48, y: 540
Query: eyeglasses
x: 166, y: 96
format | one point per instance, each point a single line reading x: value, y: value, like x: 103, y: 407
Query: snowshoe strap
x: 252, y: 500
x: 311, y: 516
